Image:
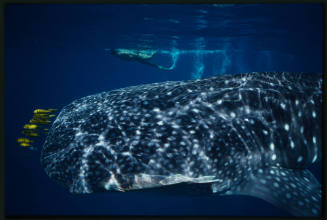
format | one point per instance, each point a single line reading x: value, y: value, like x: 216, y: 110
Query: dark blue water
x: 58, y: 53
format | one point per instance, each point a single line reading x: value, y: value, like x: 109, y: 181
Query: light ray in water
x: 198, y: 64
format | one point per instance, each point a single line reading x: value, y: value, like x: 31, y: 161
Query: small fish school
x: 40, y: 119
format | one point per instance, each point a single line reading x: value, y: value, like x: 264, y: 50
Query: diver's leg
x: 174, y: 56
x: 154, y: 65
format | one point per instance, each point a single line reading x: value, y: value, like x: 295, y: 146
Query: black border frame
x: 2, y: 98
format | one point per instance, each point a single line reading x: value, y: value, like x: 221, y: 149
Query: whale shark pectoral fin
x: 295, y: 191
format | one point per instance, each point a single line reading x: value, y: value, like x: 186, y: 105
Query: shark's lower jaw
x: 252, y: 134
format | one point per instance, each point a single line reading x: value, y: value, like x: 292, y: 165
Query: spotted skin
x: 250, y: 134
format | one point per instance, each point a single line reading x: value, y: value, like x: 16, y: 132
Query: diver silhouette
x: 141, y: 56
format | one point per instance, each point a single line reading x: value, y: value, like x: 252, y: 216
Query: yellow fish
x: 37, y: 111
x: 29, y: 133
x: 30, y: 126
x: 25, y: 144
x: 40, y: 121
x: 41, y: 117
x: 24, y: 140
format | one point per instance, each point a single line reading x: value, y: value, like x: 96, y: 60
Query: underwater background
x: 55, y: 54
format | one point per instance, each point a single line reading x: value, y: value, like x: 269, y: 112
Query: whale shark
x: 253, y: 134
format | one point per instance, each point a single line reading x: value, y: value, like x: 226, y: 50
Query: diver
x: 141, y: 56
